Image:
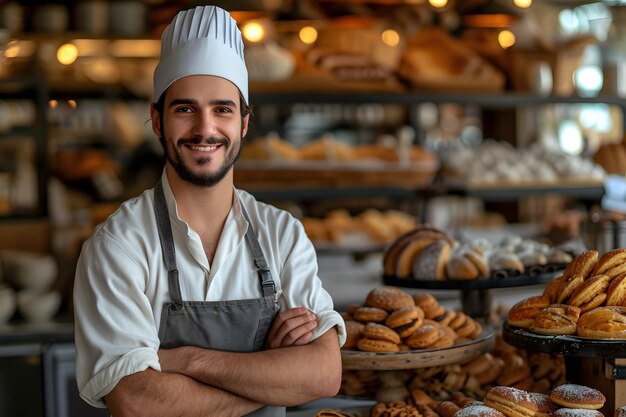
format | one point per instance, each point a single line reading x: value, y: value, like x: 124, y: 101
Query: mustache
x: 213, y: 140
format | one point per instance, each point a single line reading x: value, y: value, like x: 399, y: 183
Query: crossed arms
x: 195, y: 381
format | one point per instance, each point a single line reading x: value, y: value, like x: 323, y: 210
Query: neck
x: 202, y: 207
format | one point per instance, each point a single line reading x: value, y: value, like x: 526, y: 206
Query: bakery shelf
x: 563, y: 344
x: 413, y: 359
x: 314, y: 193
x: 475, y: 284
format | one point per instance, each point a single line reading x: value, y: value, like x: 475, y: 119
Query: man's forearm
x: 283, y: 377
x: 155, y: 394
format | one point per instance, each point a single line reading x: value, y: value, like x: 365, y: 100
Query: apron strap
x: 167, y: 244
x: 267, y: 283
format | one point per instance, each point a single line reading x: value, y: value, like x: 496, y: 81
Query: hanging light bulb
x: 523, y: 4
x: 308, y: 35
x: 438, y: 3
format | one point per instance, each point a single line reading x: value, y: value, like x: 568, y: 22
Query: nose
x: 204, y: 125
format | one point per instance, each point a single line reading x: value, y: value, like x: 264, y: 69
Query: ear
x: 156, y: 120
x: 244, y: 126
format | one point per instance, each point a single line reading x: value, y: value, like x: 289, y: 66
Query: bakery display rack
x: 477, y: 295
x: 391, y: 364
x: 598, y: 363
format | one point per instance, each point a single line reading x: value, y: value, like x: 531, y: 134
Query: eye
x: 223, y: 110
x: 183, y: 109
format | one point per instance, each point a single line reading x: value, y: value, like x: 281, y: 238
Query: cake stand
x: 391, y: 364
x: 477, y: 294
x: 597, y: 363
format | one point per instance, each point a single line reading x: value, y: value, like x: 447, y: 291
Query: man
x: 177, y: 293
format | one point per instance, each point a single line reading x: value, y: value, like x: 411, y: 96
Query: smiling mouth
x: 204, y: 148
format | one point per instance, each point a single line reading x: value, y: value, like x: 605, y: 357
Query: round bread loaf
x: 577, y: 396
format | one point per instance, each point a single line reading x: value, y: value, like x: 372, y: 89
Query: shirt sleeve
x: 301, y: 285
x: 115, y: 331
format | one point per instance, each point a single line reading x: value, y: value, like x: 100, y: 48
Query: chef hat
x: 201, y: 41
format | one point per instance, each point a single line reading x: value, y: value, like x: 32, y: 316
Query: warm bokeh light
x: 523, y: 4
x: 67, y: 54
x: 72, y: 103
x: 12, y: 49
x: 506, y: 39
x: 53, y: 104
x: 438, y: 3
x: 253, y: 31
x: 308, y: 35
x: 390, y: 37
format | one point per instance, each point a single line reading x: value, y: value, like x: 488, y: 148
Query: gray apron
x: 234, y: 325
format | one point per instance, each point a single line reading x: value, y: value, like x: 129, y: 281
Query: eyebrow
x: 217, y: 102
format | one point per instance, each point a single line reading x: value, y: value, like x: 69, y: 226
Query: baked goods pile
x: 391, y: 320
x: 567, y: 400
x: 432, y: 254
x: 379, y: 227
x: 504, y: 365
x: 588, y: 300
x: 493, y: 163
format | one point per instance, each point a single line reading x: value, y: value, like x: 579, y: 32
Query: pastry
x: 478, y: 410
x: 603, y: 323
x: 445, y: 318
x: 354, y: 330
x: 616, y: 291
x: 578, y: 396
x: 374, y: 345
x: 583, y: 264
x: 524, y: 312
x: 447, y: 408
x: 389, y: 298
x: 620, y: 412
x: 576, y: 412
x: 430, y: 263
x: 381, y: 332
x: 461, y: 399
x: 553, y: 288
x: 443, y: 340
x: 422, y: 337
x: 569, y: 285
x: 556, y: 319
x: 491, y: 374
x: 425, y: 300
x: 405, y: 320
x: 479, y: 364
x: 373, y: 314
x: 510, y: 401
x: 545, y: 405
x: 420, y: 397
x: 591, y: 293
x: 610, y: 260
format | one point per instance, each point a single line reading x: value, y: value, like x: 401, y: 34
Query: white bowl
x: 37, y: 306
x: 7, y: 303
x: 29, y: 271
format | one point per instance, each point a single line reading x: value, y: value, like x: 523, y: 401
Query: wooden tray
x: 423, y: 358
x: 564, y: 344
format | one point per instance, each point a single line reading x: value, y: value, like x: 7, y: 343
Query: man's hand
x: 292, y: 327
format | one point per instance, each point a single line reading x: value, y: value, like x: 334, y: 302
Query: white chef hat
x: 201, y: 41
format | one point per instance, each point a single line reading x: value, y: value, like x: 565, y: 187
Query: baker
x: 194, y: 299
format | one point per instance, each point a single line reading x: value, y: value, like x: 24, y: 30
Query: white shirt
x: 121, y: 282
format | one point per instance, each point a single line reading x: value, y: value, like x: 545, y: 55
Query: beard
x: 185, y: 172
